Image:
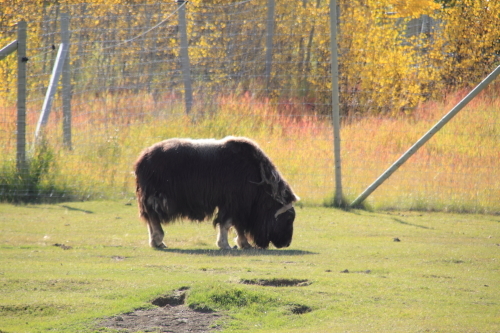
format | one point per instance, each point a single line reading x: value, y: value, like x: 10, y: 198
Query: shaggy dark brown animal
x: 230, y: 178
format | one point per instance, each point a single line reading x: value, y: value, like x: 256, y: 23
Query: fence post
x: 66, y: 83
x: 186, y: 69
x: 51, y: 90
x: 427, y: 136
x: 269, y: 40
x: 338, y: 200
x: 21, y: 96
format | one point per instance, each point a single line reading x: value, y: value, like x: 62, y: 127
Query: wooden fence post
x: 21, y: 96
x: 338, y: 200
x: 66, y: 83
x: 269, y: 41
x: 186, y: 69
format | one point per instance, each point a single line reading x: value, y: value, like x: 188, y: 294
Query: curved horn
x: 283, y: 209
x: 273, y: 180
x: 263, y: 176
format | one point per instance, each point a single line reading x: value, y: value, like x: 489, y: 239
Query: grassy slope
x: 443, y: 276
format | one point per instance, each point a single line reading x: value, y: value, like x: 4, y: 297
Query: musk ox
x: 230, y: 178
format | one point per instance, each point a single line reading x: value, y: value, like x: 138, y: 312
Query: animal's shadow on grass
x: 58, y: 207
x: 400, y: 221
x: 238, y: 253
x: 410, y: 224
x: 77, y: 209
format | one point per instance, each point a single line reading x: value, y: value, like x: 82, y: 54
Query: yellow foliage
x: 413, y: 8
x: 382, y: 67
x: 472, y: 30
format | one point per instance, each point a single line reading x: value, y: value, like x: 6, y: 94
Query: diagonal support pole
x: 8, y: 49
x: 51, y: 90
x: 427, y: 136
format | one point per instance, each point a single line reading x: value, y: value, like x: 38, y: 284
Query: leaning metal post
x: 426, y: 137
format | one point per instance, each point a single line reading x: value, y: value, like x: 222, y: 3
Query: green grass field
x: 442, y: 276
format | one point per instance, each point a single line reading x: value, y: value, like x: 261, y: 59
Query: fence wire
x: 127, y: 92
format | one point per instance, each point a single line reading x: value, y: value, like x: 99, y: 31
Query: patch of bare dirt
x: 171, y: 315
x: 278, y: 282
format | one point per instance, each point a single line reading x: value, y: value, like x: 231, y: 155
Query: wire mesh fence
x: 128, y: 89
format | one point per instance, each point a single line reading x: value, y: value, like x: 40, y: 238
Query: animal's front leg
x: 222, y: 230
x: 155, y: 234
x: 241, y: 240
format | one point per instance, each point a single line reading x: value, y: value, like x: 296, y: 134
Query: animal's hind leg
x: 156, y: 233
x: 241, y: 240
x: 222, y: 230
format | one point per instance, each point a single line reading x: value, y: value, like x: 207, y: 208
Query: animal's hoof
x: 223, y: 245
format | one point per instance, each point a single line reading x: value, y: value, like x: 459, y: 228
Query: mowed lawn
x: 66, y: 266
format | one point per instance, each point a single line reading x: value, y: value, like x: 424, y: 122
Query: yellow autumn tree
x: 384, y: 67
x: 101, y: 42
x: 471, y: 30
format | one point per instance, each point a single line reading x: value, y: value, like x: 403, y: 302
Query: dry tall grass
x: 457, y: 170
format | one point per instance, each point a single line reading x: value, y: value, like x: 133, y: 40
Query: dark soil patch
x: 64, y: 247
x: 299, y: 308
x: 278, y: 282
x: 174, y: 299
x: 361, y: 272
x: 171, y: 315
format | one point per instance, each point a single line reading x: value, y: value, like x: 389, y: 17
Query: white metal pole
x: 8, y: 49
x: 51, y: 90
x: 426, y: 137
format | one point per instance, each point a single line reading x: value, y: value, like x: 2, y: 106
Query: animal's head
x: 282, y: 229
x: 276, y: 226
x: 275, y: 200
x: 279, y: 212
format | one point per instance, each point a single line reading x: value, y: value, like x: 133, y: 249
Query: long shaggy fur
x: 230, y: 178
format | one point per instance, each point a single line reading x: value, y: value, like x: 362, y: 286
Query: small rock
x: 345, y: 271
x: 397, y: 239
